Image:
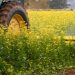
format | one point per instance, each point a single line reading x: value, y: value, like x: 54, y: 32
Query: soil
x: 69, y: 72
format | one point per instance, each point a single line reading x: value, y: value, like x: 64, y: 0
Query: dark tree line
x: 57, y: 3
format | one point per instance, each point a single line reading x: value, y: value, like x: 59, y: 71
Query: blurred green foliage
x: 35, y: 52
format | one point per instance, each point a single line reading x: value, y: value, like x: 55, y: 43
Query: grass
x: 36, y: 52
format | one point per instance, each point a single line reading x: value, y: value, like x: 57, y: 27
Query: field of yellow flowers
x: 35, y: 51
x: 56, y: 22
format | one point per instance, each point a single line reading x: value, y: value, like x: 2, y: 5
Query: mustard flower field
x: 56, y: 22
x: 42, y: 49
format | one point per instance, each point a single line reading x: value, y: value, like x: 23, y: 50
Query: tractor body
x: 0, y: 2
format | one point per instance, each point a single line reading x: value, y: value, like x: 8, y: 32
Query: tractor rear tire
x: 13, y: 9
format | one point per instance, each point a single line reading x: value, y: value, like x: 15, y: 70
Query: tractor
x: 13, y: 14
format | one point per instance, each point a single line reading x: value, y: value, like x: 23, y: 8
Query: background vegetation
x: 47, y: 4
